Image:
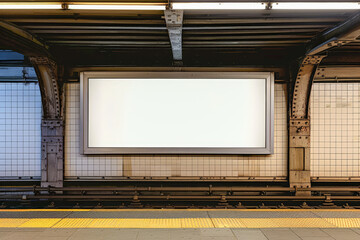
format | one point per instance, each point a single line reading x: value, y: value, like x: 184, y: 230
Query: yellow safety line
x: 45, y: 210
x: 344, y: 222
x: 40, y: 223
x: 180, y: 223
x: 12, y: 222
x: 179, y: 210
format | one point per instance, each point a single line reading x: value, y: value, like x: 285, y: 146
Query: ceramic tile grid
x: 335, y: 130
x: 77, y: 165
x: 20, y: 130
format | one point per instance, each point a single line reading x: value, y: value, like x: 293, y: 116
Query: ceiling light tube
x: 116, y: 7
x: 218, y: 5
x: 316, y: 5
x: 29, y: 5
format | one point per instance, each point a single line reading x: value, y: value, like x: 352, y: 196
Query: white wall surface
x: 20, y: 130
x: 77, y: 165
x: 335, y: 130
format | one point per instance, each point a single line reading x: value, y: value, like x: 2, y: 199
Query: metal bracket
x: 174, y: 22
x: 313, y: 59
x: 46, y: 71
x: 299, y: 127
x: 135, y: 203
x: 223, y: 203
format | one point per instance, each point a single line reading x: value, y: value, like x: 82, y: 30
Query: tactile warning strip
x: 302, y: 223
x: 12, y: 222
x: 196, y: 223
x: 73, y: 223
x: 234, y: 218
x: 180, y: 223
x: 40, y: 223
x: 344, y: 222
x: 228, y: 223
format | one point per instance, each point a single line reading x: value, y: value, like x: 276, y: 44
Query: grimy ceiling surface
x: 209, y: 37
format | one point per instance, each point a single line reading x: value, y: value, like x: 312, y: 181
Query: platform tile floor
x: 180, y: 234
x: 114, y: 224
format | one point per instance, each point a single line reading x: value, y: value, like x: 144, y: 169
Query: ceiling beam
x: 174, y: 24
x: 97, y: 20
x: 342, y: 34
x: 19, y: 40
x: 171, y: 15
x: 337, y: 73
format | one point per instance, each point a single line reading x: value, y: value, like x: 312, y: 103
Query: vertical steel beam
x: 299, y: 124
x: 174, y: 23
x: 52, y: 152
x: 52, y: 126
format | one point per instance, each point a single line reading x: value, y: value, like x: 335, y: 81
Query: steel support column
x: 52, y: 129
x: 299, y: 124
x: 52, y: 152
x: 299, y: 117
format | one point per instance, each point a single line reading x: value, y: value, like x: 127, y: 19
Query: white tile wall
x: 335, y: 130
x: 77, y: 165
x: 20, y: 130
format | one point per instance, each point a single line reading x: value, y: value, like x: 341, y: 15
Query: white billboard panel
x: 177, y: 113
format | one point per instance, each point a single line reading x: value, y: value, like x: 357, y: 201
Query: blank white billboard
x: 177, y: 113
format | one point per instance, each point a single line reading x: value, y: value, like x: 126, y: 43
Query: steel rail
x: 182, y: 189
x: 192, y: 198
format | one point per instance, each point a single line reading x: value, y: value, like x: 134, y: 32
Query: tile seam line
x: 322, y: 230
x: 30, y: 219
x: 352, y: 229
x: 212, y: 222
x: 263, y: 233
x: 324, y: 219
x: 65, y: 217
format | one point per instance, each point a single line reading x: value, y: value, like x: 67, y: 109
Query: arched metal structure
x: 52, y: 129
x: 299, y: 116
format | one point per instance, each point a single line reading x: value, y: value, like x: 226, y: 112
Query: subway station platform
x: 249, y: 224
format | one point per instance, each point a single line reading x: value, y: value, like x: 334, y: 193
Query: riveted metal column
x: 299, y: 125
x: 52, y: 153
x: 299, y: 117
x: 52, y: 126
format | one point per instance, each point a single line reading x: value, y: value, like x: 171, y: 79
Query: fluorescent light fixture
x: 116, y: 7
x: 316, y: 5
x: 29, y: 5
x: 218, y: 5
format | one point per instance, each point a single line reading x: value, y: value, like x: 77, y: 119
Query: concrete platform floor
x: 232, y: 224
x: 180, y: 234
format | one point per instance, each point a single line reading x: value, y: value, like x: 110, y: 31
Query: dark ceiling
x: 212, y: 37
